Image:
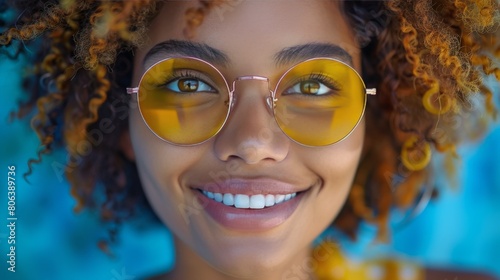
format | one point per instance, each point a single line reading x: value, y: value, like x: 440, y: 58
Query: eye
x: 189, y: 85
x: 315, y: 84
x: 309, y: 87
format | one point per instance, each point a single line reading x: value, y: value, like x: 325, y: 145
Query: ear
x: 125, y: 145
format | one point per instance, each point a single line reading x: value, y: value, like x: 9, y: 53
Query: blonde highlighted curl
x: 427, y: 59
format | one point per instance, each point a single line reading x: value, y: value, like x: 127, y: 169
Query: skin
x: 250, y: 33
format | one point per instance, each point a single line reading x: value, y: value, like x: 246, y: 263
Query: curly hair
x: 426, y: 58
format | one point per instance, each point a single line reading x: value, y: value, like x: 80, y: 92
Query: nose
x: 251, y: 133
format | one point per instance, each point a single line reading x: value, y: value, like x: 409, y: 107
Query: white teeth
x: 228, y: 199
x: 269, y: 200
x: 257, y: 201
x: 279, y: 198
x: 210, y: 195
x: 218, y: 197
x: 241, y: 201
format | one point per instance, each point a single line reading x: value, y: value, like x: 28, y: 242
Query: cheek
x: 335, y: 167
x: 160, y: 165
x: 340, y: 160
x: 157, y: 157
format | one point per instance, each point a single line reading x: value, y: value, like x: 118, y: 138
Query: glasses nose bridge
x: 270, y: 100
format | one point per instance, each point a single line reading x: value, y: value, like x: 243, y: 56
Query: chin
x: 253, y: 256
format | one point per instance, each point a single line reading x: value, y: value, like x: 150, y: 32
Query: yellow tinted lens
x: 319, y: 102
x: 183, y: 100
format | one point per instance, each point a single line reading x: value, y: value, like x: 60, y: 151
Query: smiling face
x: 250, y: 162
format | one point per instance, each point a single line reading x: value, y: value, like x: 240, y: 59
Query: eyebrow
x: 311, y: 50
x: 187, y: 48
x: 285, y: 56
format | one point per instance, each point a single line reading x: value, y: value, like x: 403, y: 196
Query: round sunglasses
x: 187, y: 101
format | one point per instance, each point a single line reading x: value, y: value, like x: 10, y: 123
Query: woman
x: 245, y: 121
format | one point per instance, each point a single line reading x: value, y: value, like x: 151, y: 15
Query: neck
x: 190, y: 265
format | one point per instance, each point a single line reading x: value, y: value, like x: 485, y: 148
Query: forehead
x: 251, y: 33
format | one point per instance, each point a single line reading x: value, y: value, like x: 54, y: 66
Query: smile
x: 243, y: 212
x: 243, y: 201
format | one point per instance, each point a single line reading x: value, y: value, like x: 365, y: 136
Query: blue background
x: 460, y: 229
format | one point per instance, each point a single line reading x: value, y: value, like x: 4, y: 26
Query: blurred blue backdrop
x: 460, y: 229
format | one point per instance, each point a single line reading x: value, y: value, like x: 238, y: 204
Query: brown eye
x: 309, y: 87
x: 187, y: 85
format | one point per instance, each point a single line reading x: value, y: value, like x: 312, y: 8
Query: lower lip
x: 249, y: 219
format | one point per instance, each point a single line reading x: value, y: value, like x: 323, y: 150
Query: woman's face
x: 250, y: 155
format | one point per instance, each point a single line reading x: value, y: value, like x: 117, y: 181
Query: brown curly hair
x: 426, y: 58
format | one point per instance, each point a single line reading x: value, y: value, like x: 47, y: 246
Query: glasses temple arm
x: 132, y: 90
x: 371, y: 91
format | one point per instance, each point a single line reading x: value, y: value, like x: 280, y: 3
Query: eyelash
x: 321, y: 78
x: 184, y: 73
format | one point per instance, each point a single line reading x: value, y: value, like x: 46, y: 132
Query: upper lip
x: 250, y: 186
